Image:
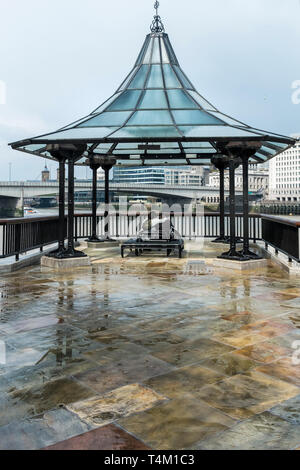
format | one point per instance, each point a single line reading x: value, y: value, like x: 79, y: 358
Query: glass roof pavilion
x: 157, y: 117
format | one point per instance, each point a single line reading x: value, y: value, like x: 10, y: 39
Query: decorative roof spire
x: 157, y: 25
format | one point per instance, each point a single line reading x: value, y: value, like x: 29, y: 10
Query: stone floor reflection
x: 156, y: 352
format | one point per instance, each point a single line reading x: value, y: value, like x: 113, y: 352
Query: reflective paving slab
x: 150, y: 352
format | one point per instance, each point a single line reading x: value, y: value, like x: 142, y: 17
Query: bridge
x: 12, y: 194
x: 21, y: 189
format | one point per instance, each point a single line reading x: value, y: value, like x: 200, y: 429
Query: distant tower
x: 45, y: 174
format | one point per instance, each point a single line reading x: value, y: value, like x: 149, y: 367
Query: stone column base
x: 65, y: 264
x: 239, y: 265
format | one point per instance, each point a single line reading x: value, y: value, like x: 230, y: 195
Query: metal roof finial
x: 157, y: 25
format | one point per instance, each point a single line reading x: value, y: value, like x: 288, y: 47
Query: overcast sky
x: 60, y: 59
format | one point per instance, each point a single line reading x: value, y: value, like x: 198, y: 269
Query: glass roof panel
x: 154, y: 99
x: 35, y: 147
x: 202, y: 102
x: 202, y: 145
x: 200, y: 161
x: 140, y: 78
x: 164, y: 151
x: 143, y: 50
x: 164, y: 54
x: 80, y: 133
x: 170, y: 77
x: 271, y: 151
x: 147, y: 58
x: 214, y: 131
x: 107, y: 119
x: 184, y: 80
x: 127, y: 80
x: 179, y: 100
x: 169, y: 49
x: 103, y: 106
x: 151, y: 118
x: 127, y: 152
x: 195, y: 117
x: 156, y: 52
x: 168, y: 145
x: 229, y: 120
x: 146, y: 132
x: 155, y: 77
x: 127, y: 100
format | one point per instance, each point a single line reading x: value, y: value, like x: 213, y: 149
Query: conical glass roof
x: 157, y: 116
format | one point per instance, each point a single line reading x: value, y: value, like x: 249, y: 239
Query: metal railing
x: 283, y: 235
x: 188, y: 225
x: 18, y: 236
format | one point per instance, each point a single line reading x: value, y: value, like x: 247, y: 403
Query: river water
x: 48, y: 212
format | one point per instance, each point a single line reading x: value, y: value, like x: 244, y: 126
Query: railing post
x: 17, y: 240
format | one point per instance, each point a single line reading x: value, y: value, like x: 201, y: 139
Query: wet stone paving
x: 150, y: 353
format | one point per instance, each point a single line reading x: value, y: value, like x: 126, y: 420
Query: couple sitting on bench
x: 157, y: 234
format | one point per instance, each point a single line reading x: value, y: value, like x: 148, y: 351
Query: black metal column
x: 106, y: 166
x: 232, y: 254
x: 71, y: 252
x: 222, y: 203
x: 106, y: 201
x: 61, y: 205
x: 59, y: 252
x: 221, y: 238
x: 94, y: 238
x: 246, y: 250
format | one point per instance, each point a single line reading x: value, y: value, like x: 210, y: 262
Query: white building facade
x: 258, y: 179
x: 285, y: 175
x: 188, y: 176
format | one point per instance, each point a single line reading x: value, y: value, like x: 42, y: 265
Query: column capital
x: 105, y: 162
x: 66, y: 151
x: 241, y: 149
x: 220, y: 162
